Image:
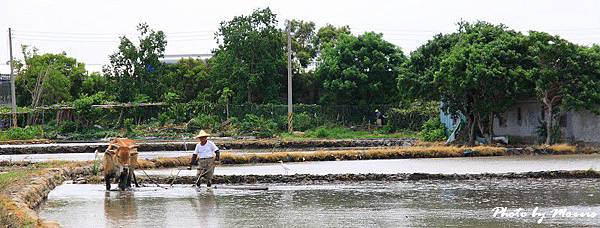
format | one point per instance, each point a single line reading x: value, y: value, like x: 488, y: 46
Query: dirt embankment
x: 226, y: 144
x: 361, y: 154
x: 333, y: 178
x: 20, y: 199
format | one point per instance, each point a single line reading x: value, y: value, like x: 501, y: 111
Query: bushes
x: 67, y: 127
x: 87, y: 115
x: 433, y: 130
x: 258, y: 126
x: 25, y: 133
x: 203, y: 121
x: 411, y: 117
x: 304, y: 121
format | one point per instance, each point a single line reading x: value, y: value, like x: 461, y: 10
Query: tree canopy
x: 48, y: 78
x: 134, y: 71
x: 250, y: 59
x: 360, y: 70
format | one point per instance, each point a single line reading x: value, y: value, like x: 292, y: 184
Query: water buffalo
x: 120, y: 161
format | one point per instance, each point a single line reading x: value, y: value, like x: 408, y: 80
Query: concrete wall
x: 585, y: 127
x: 523, y: 128
x: 582, y: 126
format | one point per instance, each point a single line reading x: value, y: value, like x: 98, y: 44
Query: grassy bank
x: 362, y: 154
x: 22, y: 178
x: 345, y: 133
x: 10, y: 214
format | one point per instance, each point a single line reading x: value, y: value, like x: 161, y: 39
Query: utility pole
x: 13, y: 96
x: 289, y: 59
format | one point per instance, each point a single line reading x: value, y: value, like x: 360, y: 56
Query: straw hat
x: 202, y: 133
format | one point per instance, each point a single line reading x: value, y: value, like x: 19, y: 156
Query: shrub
x: 25, y: 133
x: 258, y: 126
x: 542, y: 132
x: 67, y: 127
x: 203, y: 121
x: 411, y: 117
x: 84, y: 111
x: 433, y: 130
x: 304, y: 121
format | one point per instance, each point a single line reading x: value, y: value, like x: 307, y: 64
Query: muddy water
x: 470, y: 165
x: 373, y: 204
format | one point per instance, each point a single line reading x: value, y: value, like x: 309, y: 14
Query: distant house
x: 521, y: 121
x: 170, y: 59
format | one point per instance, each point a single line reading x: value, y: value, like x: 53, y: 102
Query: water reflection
x: 119, y: 208
x: 373, y: 204
x: 205, y: 208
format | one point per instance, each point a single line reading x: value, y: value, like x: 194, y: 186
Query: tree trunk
x: 227, y: 108
x: 471, y: 124
x: 249, y: 95
x: 491, y: 128
x: 549, y: 124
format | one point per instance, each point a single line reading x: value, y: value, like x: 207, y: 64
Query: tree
x: 93, y: 83
x: 250, y: 59
x: 416, y: 80
x: 134, y: 71
x: 565, y: 76
x: 328, y: 34
x: 188, y: 78
x: 48, y: 78
x: 360, y: 70
x: 303, y: 44
x: 476, y: 71
x: 482, y: 74
x: 304, y: 51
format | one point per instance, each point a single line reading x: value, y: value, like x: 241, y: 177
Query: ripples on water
x: 374, y: 204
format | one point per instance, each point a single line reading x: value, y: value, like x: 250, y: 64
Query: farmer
x: 378, y: 117
x: 208, y: 153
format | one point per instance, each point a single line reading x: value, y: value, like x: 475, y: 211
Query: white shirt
x: 207, y: 150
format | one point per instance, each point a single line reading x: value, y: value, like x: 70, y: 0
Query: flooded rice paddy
x: 463, y: 165
x: 366, y: 204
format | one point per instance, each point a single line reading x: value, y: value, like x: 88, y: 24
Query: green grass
x: 22, y: 133
x: 9, y: 177
x: 346, y: 133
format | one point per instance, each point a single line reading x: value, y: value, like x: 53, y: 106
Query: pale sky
x: 89, y: 29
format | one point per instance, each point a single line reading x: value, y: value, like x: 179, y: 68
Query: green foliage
x: 360, y: 70
x: 258, y: 126
x: 67, y: 127
x: 93, y: 83
x: 60, y: 77
x: 24, y: 133
x: 203, y: 122
x: 250, y: 58
x: 565, y: 76
x: 542, y: 132
x: 86, y: 114
x: 339, y: 132
x: 433, y: 130
x: 188, y: 79
x: 304, y: 43
x: 304, y: 121
x: 96, y: 165
x: 411, y: 116
x: 329, y: 34
x: 476, y: 71
x: 135, y: 70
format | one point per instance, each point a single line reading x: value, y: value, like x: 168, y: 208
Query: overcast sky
x: 88, y: 29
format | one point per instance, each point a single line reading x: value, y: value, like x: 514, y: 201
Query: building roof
x: 169, y: 59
